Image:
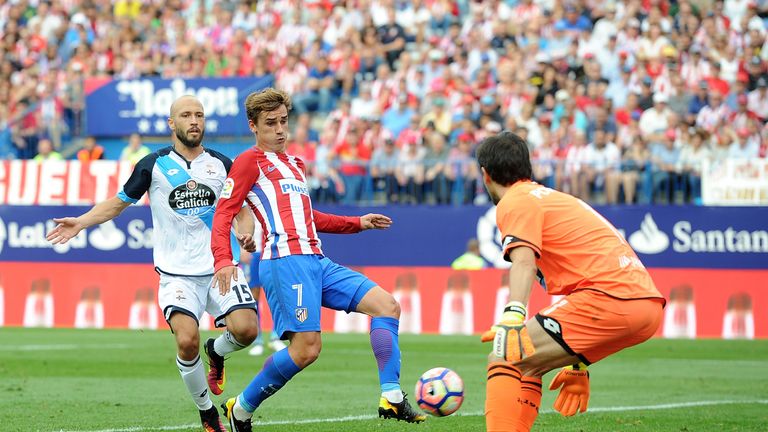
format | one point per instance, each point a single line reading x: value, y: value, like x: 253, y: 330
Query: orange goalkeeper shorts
x: 594, y: 325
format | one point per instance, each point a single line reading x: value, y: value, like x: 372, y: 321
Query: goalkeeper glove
x: 574, y: 396
x: 509, y: 336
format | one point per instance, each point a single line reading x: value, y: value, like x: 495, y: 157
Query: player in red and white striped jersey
x: 296, y: 276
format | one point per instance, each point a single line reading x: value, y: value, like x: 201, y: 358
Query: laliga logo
x: 490, y: 239
x: 649, y: 239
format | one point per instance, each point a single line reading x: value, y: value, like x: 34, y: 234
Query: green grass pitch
x: 115, y: 380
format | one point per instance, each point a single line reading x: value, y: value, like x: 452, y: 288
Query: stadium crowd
x: 620, y: 101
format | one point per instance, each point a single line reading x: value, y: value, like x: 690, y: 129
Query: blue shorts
x: 297, y: 285
x: 253, y: 273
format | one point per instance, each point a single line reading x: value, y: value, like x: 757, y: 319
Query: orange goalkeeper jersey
x: 575, y: 246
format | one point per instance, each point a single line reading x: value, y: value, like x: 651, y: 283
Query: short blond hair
x: 268, y: 99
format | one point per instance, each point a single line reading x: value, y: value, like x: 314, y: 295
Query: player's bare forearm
x: 103, y: 211
x: 521, y: 274
x: 244, y: 221
x: 244, y: 227
x: 68, y: 227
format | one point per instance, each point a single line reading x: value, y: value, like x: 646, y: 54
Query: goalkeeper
x: 610, y: 302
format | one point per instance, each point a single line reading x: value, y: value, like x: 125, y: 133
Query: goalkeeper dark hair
x: 505, y: 158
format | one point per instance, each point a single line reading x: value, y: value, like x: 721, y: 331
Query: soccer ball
x: 440, y: 392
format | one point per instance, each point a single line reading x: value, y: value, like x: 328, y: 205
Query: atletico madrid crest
x: 301, y: 314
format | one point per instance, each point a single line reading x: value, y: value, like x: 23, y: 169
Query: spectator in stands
x: 461, y: 172
x: 528, y: 120
x: 698, y: 101
x: 51, y: 110
x: 353, y: 157
x: 375, y: 135
x: 543, y: 158
x: 364, y: 105
x: 601, y: 170
x: 435, y: 159
x: 757, y: 101
x: 619, y: 88
x: 438, y: 117
x: 410, y: 173
x: 25, y: 129
x: 645, y: 98
x: 384, y: 163
x: 292, y: 77
x: 680, y: 99
x: 652, y: 44
x: 715, y: 80
x: 655, y: 121
x: 45, y: 151
x: 741, y: 117
x: 635, y: 160
x: 397, y: 117
x: 665, y: 157
x: 90, y: 151
x: 489, y: 110
x: 696, y: 69
x: 692, y: 158
x: 720, y: 143
x: 601, y: 121
x: 713, y: 114
x: 326, y: 184
x: 135, y: 150
x: 742, y: 147
x: 320, y: 87
x: 392, y: 38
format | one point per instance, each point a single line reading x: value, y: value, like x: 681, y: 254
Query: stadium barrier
x: 702, y: 303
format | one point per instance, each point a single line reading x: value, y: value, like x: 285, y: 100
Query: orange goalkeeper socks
x: 512, y: 401
x: 530, y: 399
x: 501, y: 394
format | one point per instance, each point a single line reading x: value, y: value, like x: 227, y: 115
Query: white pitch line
x: 64, y: 347
x: 469, y: 414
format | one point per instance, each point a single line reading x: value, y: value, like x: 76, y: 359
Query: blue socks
x: 386, y: 348
x: 278, y: 369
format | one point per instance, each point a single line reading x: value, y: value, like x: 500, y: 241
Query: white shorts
x: 193, y: 295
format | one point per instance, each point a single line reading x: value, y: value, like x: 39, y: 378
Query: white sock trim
x: 226, y: 343
x: 239, y: 412
x: 394, y: 396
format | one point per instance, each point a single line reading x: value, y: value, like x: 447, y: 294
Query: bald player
x: 184, y: 182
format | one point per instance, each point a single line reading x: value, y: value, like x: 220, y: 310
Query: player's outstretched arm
x: 331, y: 223
x: 68, y: 227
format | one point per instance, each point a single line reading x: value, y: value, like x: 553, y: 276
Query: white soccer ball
x: 440, y: 392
